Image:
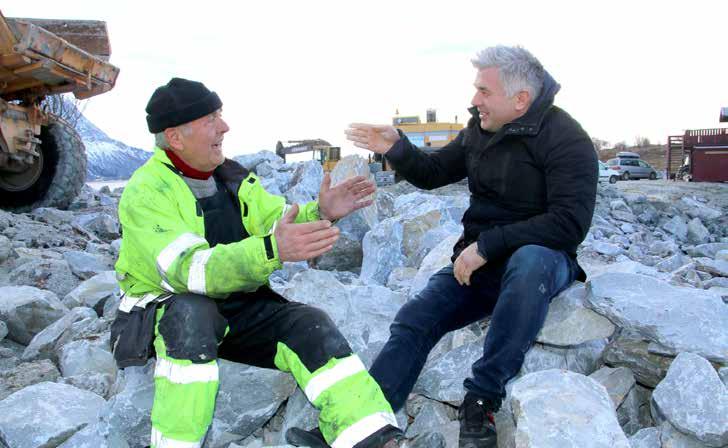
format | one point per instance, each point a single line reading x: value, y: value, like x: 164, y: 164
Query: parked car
x: 629, y: 167
x: 607, y: 175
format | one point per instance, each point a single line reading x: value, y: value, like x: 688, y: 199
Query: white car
x: 606, y: 174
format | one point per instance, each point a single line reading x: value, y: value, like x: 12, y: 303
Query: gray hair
x: 160, y: 140
x: 517, y: 67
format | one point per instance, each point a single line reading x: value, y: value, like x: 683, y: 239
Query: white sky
x: 305, y: 69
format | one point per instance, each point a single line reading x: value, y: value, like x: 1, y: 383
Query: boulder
x: 569, y: 322
x: 657, y: 311
x: 646, y: 438
x: 557, y: 408
x: 630, y: 350
x: 697, y: 233
x: 46, y: 414
x: 618, y: 382
x: 53, y: 275
x: 249, y: 396
x: 694, y: 400
x: 27, y: 311
x: 26, y: 374
x: 42, y: 346
x: 94, y: 292
x: 85, y: 265
x: 83, y: 357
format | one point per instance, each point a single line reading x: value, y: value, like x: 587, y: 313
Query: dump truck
x: 42, y: 158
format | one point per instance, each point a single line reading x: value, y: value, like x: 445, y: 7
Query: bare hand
x: 298, y: 242
x: 376, y: 138
x: 467, y: 262
x: 337, y: 202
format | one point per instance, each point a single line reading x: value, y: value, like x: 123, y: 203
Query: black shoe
x: 477, y: 424
x: 387, y: 437
x: 301, y: 437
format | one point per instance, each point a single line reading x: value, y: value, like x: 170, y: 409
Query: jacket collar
x: 530, y: 122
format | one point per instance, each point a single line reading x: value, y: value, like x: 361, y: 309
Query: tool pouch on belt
x: 132, y: 335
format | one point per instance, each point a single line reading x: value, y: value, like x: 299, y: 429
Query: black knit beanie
x: 179, y: 102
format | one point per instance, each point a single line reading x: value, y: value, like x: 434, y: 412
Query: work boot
x: 301, y: 437
x: 477, y: 424
x: 387, y: 437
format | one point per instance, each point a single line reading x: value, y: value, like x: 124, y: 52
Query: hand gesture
x: 376, y: 138
x: 467, y: 262
x: 337, y: 202
x: 298, y: 242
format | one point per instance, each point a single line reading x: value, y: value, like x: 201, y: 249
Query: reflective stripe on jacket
x: 163, y: 248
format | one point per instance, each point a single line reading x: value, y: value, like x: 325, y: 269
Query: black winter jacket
x: 532, y: 182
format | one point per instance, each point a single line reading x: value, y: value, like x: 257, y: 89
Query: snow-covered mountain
x: 108, y: 158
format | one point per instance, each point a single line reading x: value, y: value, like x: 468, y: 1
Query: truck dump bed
x: 44, y: 57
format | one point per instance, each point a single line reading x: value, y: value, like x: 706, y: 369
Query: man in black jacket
x: 532, y: 175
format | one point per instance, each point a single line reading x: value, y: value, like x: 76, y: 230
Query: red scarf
x: 187, y: 170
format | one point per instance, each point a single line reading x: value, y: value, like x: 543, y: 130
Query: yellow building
x: 431, y: 134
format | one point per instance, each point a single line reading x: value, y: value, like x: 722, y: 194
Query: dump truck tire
x: 63, y: 171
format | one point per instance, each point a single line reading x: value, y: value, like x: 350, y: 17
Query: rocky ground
x: 635, y: 357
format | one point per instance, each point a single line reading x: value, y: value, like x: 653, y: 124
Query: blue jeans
x: 516, y: 292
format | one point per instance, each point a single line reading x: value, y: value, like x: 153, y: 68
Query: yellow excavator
x: 322, y: 150
x: 42, y: 158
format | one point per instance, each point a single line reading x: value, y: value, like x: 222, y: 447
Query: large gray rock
x: 607, y: 248
x: 436, y: 259
x: 94, y: 292
x: 52, y: 216
x: 618, y: 382
x: 706, y: 250
x: 432, y: 417
x: 671, y: 437
x: 127, y: 413
x: 403, y: 239
x: 657, y: 311
x: 677, y: 227
x: 361, y: 312
x: 300, y: 413
x: 6, y: 248
x: 251, y: 161
x: 697, y: 233
x: 26, y: 374
x: 3, y: 330
x: 84, y: 357
x: 27, y: 310
x: 92, y: 437
x: 53, y: 275
x: 646, y: 438
x: 558, y: 408
x: 583, y: 358
x: 351, y: 166
x: 634, y: 413
x: 43, y: 344
x: 718, y: 268
x: 569, y: 322
x: 85, y: 265
x: 631, y: 351
x: 694, y: 400
x: 442, y: 378
x: 46, y: 414
x: 249, y: 396
x: 305, y: 183
x: 382, y: 251
x: 697, y: 209
x: 100, y: 224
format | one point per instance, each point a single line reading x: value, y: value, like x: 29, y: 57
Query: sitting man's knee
x: 192, y: 328
x: 315, y: 338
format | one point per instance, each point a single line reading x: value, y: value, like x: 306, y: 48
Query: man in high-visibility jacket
x: 200, y: 238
